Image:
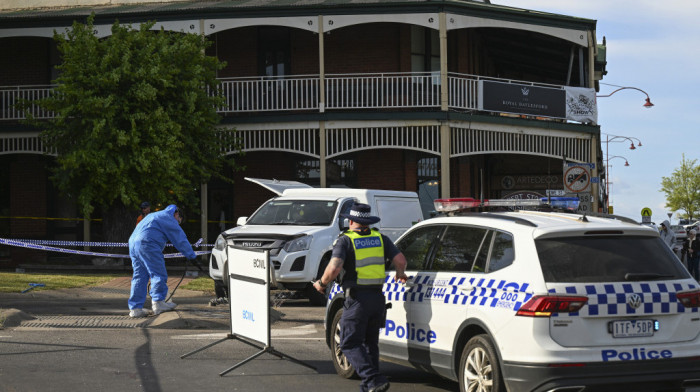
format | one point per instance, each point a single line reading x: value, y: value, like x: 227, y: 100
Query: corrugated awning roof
x: 266, y: 8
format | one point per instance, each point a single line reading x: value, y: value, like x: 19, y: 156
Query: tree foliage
x: 135, y: 118
x: 682, y: 188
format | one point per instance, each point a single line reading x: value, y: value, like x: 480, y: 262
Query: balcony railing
x: 10, y: 96
x: 301, y: 93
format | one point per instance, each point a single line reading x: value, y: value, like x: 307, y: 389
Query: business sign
x: 249, y: 293
x: 534, y: 181
x: 581, y: 104
x: 521, y: 99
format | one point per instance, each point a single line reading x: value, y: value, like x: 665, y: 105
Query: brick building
x: 449, y: 98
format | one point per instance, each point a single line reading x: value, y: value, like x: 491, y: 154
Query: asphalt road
x: 83, y: 340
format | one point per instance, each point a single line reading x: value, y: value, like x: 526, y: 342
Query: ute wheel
x: 227, y: 280
x: 340, y: 363
x: 479, y: 369
x: 316, y: 298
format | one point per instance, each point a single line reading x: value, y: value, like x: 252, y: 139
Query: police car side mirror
x: 241, y: 221
x: 344, y: 223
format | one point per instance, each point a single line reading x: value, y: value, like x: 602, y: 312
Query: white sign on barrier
x: 249, y: 293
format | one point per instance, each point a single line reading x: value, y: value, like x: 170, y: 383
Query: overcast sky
x: 654, y: 46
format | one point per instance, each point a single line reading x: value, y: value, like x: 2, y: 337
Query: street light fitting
x: 619, y: 156
x: 618, y: 138
x: 647, y: 103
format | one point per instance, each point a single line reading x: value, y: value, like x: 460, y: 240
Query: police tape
x: 96, y: 244
x: 23, y: 244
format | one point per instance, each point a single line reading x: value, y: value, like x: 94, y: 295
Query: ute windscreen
x: 295, y: 212
x: 590, y: 259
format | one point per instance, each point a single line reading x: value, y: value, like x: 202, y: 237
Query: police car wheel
x: 479, y: 370
x: 340, y: 362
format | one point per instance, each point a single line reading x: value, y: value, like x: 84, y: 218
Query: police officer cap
x: 362, y: 214
x: 145, y: 204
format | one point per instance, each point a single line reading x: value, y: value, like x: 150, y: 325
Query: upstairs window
x: 425, y: 52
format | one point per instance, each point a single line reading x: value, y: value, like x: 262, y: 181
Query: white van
x: 299, y: 226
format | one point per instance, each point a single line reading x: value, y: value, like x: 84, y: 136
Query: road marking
x: 201, y: 336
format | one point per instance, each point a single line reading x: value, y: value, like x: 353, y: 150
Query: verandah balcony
x: 386, y: 91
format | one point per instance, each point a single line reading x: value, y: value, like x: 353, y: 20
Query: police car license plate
x: 632, y: 328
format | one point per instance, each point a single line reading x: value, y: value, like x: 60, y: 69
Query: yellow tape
x: 47, y: 218
x: 93, y: 220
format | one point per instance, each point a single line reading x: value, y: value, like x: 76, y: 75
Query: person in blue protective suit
x: 361, y: 253
x: 146, y: 246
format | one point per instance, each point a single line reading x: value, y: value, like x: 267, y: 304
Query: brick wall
x: 304, y: 53
x: 381, y: 169
x: 269, y: 165
x: 366, y: 48
x: 397, y: 172
x: 238, y: 47
x: 24, y: 61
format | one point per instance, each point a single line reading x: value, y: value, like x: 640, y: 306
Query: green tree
x: 135, y: 120
x: 682, y: 188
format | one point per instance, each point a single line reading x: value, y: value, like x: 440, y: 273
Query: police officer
x: 361, y: 253
x: 145, y: 210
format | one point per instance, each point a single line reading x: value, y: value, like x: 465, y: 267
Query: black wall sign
x: 522, y: 99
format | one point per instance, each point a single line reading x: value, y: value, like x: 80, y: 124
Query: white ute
x: 299, y: 226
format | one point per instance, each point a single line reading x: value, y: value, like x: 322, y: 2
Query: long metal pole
x: 607, y: 174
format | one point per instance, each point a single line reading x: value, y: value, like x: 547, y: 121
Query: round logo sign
x: 646, y: 211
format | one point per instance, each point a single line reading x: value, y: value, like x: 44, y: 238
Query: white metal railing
x: 301, y: 93
x: 262, y: 94
x: 12, y: 95
x: 383, y: 90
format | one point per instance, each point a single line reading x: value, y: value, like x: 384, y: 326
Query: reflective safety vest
x: 369, y: 257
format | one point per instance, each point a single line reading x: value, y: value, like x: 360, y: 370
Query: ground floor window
x: 428, y: 175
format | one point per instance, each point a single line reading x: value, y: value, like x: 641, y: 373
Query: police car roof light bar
x: 462, y: 203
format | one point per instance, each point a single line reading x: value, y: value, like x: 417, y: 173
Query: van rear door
x: 397, y: 214
x: 277, y: 186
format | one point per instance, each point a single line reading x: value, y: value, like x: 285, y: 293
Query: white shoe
x: 136, y: 313
x: 162, y: 306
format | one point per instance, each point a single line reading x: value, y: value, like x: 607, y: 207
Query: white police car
x: 538, y: 301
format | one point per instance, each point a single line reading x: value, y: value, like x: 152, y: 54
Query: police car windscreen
x: 607, y: 259
x: 295, y: 212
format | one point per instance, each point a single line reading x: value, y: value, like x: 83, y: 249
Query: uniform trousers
x: 363, y: 315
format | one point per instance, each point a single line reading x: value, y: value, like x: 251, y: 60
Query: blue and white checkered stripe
x: 606, y: 299
x: 484, y: 292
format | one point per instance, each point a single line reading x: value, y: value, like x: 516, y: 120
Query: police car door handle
x: 466, y: 288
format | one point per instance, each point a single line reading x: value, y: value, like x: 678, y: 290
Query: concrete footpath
x: 105, y: 306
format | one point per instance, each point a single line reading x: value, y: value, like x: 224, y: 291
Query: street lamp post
x: 612, y: 138
x: 615, y: 138
x: 607, y: 179
x: 647, y: 103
